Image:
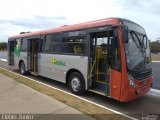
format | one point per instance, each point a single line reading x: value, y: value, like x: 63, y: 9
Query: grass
x: 81, y: 105
x: 155, y: 57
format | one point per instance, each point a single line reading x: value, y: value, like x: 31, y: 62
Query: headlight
x: 131, y: 81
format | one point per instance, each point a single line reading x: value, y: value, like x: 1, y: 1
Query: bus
x: 110, y: 57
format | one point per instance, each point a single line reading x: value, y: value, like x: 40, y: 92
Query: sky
x: 30, y: 15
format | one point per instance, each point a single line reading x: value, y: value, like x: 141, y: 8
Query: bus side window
x: 24, y: 44
x: 18, y: 44
x: 52, y: 44
x: 41, y: 42
x: 74, y: 46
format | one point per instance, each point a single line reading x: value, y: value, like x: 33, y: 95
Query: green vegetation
x: 81, y: 105
x: 155, y: 46
x: 3, y: 46
x: 155, y: 50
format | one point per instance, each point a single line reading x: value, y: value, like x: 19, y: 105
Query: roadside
x: 78, y: 104
x: 16, y: 98
x: 3, y: 54
x: 155, y: 57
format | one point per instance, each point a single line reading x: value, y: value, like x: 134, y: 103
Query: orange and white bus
x: 110, y: 57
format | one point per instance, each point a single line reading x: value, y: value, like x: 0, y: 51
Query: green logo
x: 56, y: 62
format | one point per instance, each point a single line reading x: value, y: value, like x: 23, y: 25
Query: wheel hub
x: 75, y: 83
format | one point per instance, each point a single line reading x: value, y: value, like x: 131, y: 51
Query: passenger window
x: 24, y: 44
x: 53, y: 38
x: 74, y: 45
x: 41, y: 42
x: 52, y: 43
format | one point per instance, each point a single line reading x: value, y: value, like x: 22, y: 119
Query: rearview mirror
x: 125, y: 35
x: 145, y: 41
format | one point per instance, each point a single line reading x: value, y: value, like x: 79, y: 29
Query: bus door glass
x: 99, y: 64
x: 33, y: 54
x: 29, y: 55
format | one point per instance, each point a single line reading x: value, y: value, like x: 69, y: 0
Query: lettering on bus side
x: 58, y: 62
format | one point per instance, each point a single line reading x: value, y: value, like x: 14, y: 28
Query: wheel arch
x: 20, y: 61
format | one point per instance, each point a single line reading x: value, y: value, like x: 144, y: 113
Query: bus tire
x: 76, y: 83
x: 22, y: 68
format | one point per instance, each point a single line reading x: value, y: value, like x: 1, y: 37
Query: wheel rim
x: 75, y: 83
x: 22, y: 68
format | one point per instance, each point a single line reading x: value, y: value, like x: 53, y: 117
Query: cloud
x: 146, y: 6
x: 36, y: 22
x: 144, y: 12
x: 31, y: 15
x: 14, y: 26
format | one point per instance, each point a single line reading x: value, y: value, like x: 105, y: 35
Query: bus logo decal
x: 53, y: 61
x: 58, y: 62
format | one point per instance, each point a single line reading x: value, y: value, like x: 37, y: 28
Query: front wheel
x: 76, y: 83
x: 22, y: 68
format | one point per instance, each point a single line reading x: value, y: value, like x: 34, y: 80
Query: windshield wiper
x: 135, y: 40
x: 140, y: 43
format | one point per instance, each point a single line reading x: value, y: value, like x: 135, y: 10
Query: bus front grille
x: 141, y: 75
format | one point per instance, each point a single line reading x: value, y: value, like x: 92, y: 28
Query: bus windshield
x: 137, y: 49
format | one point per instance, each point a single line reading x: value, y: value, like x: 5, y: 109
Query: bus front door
x: 33, y: 55
x: 99, y: 67
x: 105, y: 64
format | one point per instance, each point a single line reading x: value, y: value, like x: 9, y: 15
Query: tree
x: 155, y: 46
x: 3, y: 46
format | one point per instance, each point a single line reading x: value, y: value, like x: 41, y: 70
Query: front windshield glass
x: 137, y: 50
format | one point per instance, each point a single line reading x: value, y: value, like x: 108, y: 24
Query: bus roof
x: 96, y: 23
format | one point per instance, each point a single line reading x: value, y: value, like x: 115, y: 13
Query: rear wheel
x: 76, y: 83
x: 22, y: 68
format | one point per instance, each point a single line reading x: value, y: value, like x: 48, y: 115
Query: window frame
x: 22, y: 41
x: 45, y: 43
x: 74, y: 37
x: 62, y: 36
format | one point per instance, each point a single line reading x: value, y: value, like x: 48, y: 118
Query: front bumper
x: 141, y: 88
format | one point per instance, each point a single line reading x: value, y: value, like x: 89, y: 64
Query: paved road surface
x: 17, y: 98
x: 3, y: 55
x: 156, y: 75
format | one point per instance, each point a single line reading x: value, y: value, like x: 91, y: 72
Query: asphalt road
x: 150, y: 103
x: 156, y: 75
x: 3, y: 55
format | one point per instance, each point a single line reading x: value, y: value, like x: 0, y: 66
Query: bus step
x: 97, y: 92
x: 100, y: 73
x: 34, y: 73
x: 102, y: 82
x: 99, y: 89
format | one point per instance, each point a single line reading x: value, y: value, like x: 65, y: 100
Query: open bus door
x: 32, y: 61
x: 104, y: 64
x: 99, y: 72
